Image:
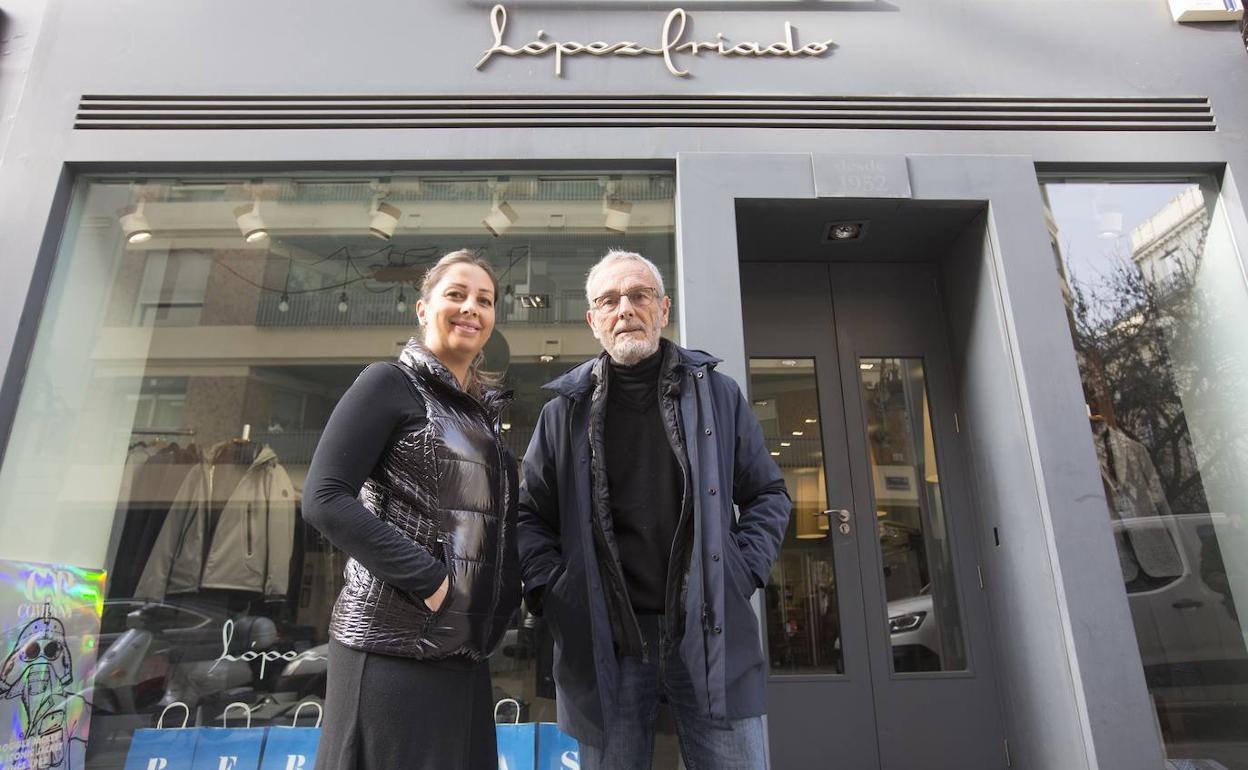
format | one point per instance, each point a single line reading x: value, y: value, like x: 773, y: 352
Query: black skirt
x: 384, y: 713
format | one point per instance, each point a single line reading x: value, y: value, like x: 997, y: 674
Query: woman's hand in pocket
x: 434, y: 602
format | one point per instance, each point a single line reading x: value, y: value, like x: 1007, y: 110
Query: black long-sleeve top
x: 380, y: 407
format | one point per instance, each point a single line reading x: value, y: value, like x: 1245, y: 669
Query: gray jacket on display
x: 250, y: 547
x: 567, y: 547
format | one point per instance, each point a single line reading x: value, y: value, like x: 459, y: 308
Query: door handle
x: 841, y: 515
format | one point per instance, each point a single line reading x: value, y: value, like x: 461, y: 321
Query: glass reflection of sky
x: 1089, y: 257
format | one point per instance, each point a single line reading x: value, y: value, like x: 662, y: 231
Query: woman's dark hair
x: 478, y: 380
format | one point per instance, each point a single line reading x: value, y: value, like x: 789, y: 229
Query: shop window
x: 1157, y: 304
x: 184, y: 346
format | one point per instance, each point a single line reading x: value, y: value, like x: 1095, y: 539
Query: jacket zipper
x: 501, y: 505
x: 674, y: 570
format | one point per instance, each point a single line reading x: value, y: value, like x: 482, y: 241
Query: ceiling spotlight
x: 797, y: 433
x: 545, y: 358
x: 775, y: 454
x: 283, y: 304
x: 500, y: 219
x: 618, y: 214
x: 866, y: 367
x: 134, y: 224
x: 342, y: 303
x: 1109, y: 225
x: 250, y: 224
x: 810, y: 421
x: 786, y: 443
x: 401, y: 304
x: 385, y: 220
x: 840, y: 232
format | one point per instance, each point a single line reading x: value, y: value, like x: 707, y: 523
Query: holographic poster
x: 49, y: 628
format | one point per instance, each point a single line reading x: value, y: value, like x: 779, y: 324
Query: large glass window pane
x: 803, y: 611
x: 1158, y: 307
x: 198, y: 328
x: 924, y: 623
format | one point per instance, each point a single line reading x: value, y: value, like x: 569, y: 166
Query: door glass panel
x: 803, y: 615
x: 924, y: 623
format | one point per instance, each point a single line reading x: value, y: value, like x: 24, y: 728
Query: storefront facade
x: 978, y: 265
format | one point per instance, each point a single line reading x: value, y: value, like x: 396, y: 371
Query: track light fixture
x: 385, y: 220
x: 134, y: 223
x: 250, y: 223
x: 502, y: 216
x: 617, y: 213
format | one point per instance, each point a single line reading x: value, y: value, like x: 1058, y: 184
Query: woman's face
x: 459, y: 315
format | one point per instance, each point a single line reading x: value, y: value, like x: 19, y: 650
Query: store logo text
x: 672, y: 44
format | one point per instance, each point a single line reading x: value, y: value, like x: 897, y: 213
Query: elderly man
x: 629, y: 543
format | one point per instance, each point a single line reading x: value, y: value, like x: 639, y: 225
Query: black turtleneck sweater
x: 644, y: 480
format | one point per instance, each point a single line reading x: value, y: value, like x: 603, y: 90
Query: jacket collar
x: 578, y: 380
x: 418, y: 358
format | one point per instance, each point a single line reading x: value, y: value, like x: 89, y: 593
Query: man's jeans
x: 705, y: 744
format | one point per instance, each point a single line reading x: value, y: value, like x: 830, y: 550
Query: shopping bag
x: 229, y: 748
x: 517, y: 741
x: 556, y: 750
x: 293, y: 747
x: 163, y: 748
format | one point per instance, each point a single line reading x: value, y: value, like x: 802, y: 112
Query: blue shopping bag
x: 163, y: 748
x: 556, y: 750
x: 229, y: 748
x: 294, y: 747
x: 517, y: 741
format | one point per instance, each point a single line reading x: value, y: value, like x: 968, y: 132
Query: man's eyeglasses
x: 639, y: 298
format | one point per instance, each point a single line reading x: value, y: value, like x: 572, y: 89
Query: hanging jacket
x: 721, y: 558
x: 450, y: 488
x: 250, y: 547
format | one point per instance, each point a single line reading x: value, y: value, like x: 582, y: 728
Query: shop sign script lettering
x: 672, y: 45
x: 266, y: 657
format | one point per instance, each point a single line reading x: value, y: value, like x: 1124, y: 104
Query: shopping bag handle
x: 320, y: 713
x: 236, y: 704
x: 513, y: 702
x: 160, y: 723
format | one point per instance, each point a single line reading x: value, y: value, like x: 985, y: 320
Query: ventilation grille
x: 931, y: 113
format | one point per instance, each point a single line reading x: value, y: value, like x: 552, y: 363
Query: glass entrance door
x: 875, y: 619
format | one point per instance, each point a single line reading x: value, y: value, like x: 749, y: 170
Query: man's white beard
x: 629, y: 351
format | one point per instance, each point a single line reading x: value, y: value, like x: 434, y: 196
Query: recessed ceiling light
x: 844, y: 232
x: 786, y: 443
x: 775, y: 454
x: 866, y: 367
x: 797, y: 433
x: 811, y: 421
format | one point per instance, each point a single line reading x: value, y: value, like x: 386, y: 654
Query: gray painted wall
x: 20, y: 23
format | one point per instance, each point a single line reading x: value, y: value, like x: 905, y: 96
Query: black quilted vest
x: 450, y: 487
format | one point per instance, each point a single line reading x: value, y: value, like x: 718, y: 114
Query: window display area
x: 1156, y: 298
x: 196, y: 335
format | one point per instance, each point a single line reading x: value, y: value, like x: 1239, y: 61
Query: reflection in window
x: 1156, y: 300
x: 803, y: 614
x: 175, y: 356
x: 924, y: 623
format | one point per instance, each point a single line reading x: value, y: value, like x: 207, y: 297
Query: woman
x: 412, y: 480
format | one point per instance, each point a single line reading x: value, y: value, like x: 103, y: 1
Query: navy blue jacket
x: 729, y: 558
